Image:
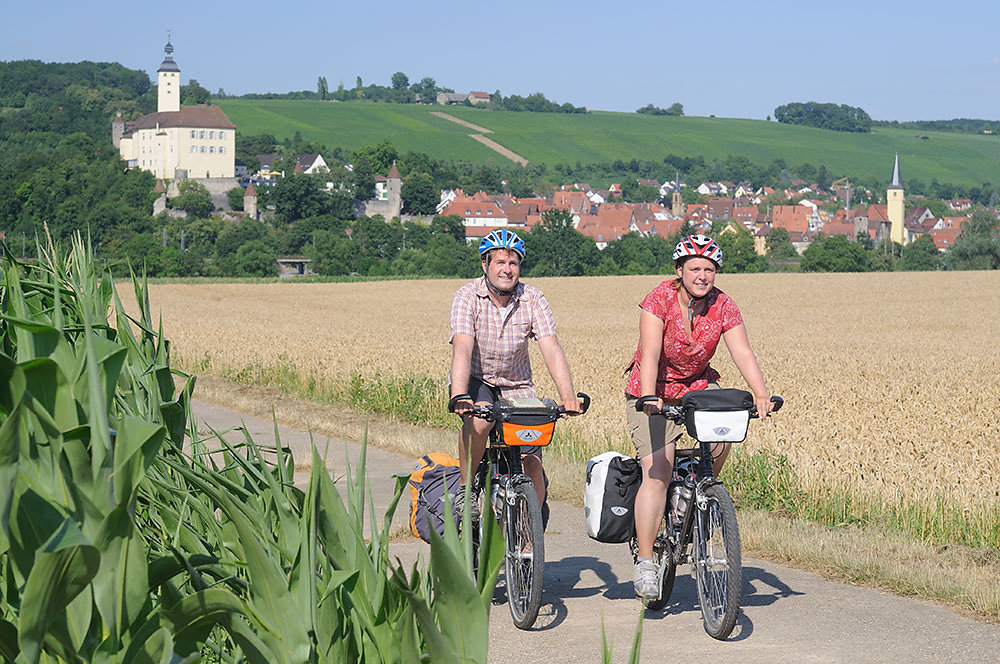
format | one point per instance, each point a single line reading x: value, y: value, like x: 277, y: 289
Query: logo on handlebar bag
x: 528, y: 435
x: 721, y: 431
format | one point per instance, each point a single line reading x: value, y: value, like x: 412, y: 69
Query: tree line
x: 825, y: 116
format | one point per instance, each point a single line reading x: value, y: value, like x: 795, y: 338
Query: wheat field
x: 889, y: 379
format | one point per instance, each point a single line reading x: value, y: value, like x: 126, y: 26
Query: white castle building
x: 175, y: 143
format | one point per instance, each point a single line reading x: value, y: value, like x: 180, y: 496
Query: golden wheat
x: 890, y: 379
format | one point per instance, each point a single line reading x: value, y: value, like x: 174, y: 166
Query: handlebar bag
x: 528, y: 430
x: 527, y: 421
x: 712, y: 416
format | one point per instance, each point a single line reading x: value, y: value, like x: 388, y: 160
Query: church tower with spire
x: 677, y: 201
x: 168, y: 82
x: 894, y: 206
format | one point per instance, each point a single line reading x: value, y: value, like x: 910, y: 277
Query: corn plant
x: 125, y: 537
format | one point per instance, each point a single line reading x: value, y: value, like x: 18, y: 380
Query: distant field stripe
x: 452, y: 118
x: 493, y: 145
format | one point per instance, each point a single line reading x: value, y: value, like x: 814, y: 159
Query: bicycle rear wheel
x: 717, y: 561
x: 525, y: 554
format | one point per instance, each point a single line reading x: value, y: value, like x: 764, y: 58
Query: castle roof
x: 168, y: 63
x: 250, y: 191
x: 201, y: 116
x: 394, y: 172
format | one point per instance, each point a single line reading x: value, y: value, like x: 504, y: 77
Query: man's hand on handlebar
x: 572, y: 406
x: 460, y: 404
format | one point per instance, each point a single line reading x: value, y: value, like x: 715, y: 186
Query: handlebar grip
x: 586, y: 401
x: 641, y: 401
x: 778, y: 403
x: 455, y: 399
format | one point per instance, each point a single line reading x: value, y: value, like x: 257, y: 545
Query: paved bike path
x: 788, y: 615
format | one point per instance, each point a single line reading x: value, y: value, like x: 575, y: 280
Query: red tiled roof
x: 944, y: 237
x: 571, y: 200
x: 878, y: 213
x: 791, y: 217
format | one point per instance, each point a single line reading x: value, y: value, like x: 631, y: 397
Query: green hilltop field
x: 600, y: 136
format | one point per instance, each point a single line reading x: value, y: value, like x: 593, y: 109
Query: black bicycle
x: 708, y: 535
x: 513, y: 500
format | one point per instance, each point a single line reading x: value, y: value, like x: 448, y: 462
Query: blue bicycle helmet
x: 501, y: 238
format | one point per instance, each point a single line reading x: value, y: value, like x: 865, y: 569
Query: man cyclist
x: 492, y: 319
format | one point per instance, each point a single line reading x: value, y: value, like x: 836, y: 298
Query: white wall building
x: 190, y: 141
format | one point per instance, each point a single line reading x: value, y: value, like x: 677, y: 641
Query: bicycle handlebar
x: 497, y: 410
x: 676, y: 413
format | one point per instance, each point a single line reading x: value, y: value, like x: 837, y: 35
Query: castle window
x: 201, y: 135
x: 203, y: 149
x: 194, y: 134
x: 194, y: 148
x: 211, y: 135
x: 222, y: 135
x: 211, y: 149
x: 222, y: 149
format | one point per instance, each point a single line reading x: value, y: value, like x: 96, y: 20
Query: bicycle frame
x: 683, y: 534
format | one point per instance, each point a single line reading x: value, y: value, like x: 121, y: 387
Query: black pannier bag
x: 717, y: 415
x: 613, y: 481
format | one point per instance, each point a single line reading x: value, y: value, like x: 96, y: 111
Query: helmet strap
x: 497, y: 291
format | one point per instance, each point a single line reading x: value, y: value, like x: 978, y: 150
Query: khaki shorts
x: 651, y: 433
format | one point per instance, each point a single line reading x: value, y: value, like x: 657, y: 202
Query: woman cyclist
x: 680, y: 325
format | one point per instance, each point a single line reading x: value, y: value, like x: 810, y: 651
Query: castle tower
x: 894, y: 206
x: 250, y: 201
x: 677, y: 201
x: 117, y: 130
x: 394, y: 187
x: 168, y: 82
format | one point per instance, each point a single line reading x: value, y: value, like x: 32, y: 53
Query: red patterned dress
x: 684, y: 360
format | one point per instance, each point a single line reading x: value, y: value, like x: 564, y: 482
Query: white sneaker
x: 646, y: 582
x: 458, y: 504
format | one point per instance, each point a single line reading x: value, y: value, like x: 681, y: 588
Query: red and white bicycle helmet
x: 701, y: 246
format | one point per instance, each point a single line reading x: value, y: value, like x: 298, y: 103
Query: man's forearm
x: 555, y: 361
x: 461, y: 366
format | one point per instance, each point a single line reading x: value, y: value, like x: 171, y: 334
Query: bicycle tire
x: 663, y: 556
x: 478, y: 525
x: 717, y: 561
x: 524, y: 557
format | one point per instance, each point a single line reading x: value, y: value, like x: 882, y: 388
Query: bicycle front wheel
x: 717, y: 561
x: 525, y: 555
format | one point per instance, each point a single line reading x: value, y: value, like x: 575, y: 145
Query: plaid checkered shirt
x: 500, y: 348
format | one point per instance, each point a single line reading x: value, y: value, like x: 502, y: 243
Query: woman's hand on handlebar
x: 764, y: 405
x: 651, y: 405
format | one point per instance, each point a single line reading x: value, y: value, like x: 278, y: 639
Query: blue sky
x: 898, y: 60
